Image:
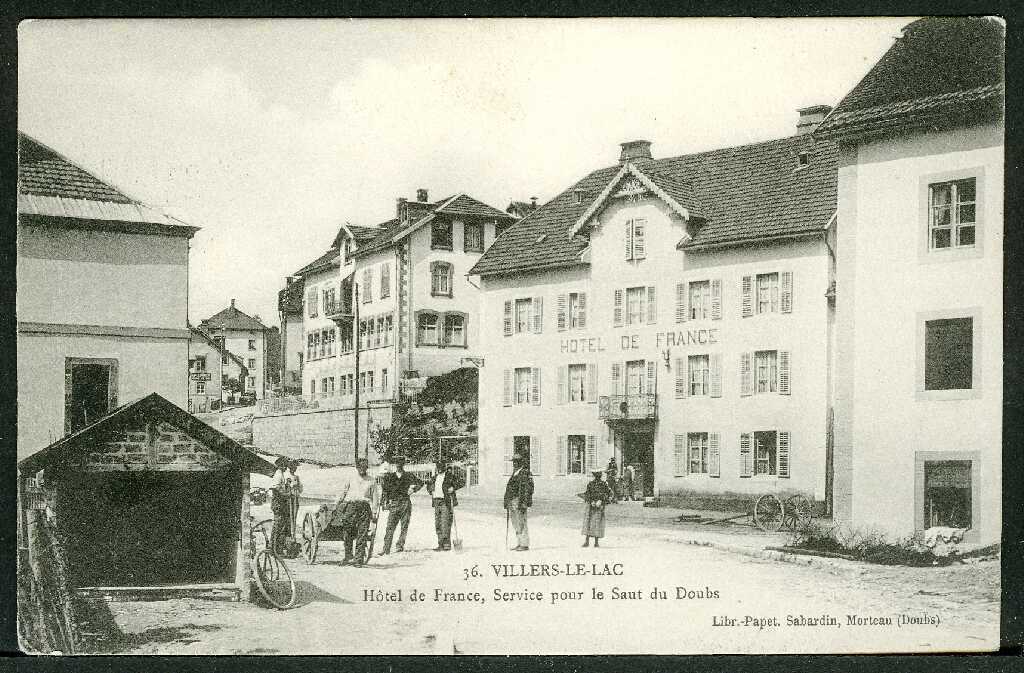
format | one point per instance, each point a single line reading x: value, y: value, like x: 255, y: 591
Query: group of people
x: 361, y: 498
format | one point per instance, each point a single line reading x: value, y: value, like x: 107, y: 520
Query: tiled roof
x: 521, y: 208
x: 363, y: 234
x: 205, y: 336
x: 329, y: 258
x: 52, y: 186
x: 746, y: 193
x: 467, y: 205
x: 938, y: 71
x: 232, y: 318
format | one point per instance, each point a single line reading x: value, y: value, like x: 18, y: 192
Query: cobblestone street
x: 334, y: 617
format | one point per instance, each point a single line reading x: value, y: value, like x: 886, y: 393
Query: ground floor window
x: 697, y: 450
x: 576, y: 447
x: 765, y: 453
x: 200, y: 387
x: 947, y: 493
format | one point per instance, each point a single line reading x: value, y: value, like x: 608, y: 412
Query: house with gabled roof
x: 210, y: 367
x: 102, y: 297
x: 244, y: 335
x: 919, y: 284
x: 668, y: 314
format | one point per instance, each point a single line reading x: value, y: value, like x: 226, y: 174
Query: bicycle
x: 270, y: 573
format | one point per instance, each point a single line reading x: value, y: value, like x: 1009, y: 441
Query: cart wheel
x: 310, y: 538
x: 798, y: 512
x: 768, y: 513
x: 273, y: 579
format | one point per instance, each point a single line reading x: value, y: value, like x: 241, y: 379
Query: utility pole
x: 356, y: 336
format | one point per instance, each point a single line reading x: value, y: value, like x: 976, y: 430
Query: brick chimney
x: 533, y: 203
x: 810, y: 117
x: 232, y: 303
x: 400, y: 208
x: 635, y: 150
x: 421, y: 195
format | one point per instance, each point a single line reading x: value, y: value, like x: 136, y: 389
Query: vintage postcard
x: 589, y: 336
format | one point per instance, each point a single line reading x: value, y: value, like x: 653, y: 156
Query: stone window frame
x: 922, y: 457
x: 925, y: 255
x: 972, y: 393
x: 112, y: 385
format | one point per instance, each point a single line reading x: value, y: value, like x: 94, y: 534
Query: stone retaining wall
x: 320, y: 435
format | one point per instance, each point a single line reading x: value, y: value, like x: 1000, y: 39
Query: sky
x: 269, y: 134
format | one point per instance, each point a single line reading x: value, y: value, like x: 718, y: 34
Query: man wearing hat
x: 396, y: 487
x: 518, y: 498
x: 442, y: 493
x: 280, y: 506
x: 354, y: 512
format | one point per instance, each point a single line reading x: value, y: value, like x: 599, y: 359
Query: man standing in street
x: 396, y: 487
x: 354, y: 511
x: 280, y: 506
x: 518, y: 498
x: 442, y: 492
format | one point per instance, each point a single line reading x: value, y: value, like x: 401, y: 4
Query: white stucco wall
x: 887, y: 282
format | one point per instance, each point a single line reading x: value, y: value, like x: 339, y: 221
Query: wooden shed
x: 149, y: 501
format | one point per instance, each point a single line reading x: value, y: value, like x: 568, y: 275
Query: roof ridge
x: 92, y: 175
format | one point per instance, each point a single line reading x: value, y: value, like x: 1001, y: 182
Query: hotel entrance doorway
x: 637, y: 449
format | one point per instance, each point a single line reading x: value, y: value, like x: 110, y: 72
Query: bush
x: 870, y: 546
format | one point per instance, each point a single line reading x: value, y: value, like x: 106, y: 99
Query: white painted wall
x: 884, y: 284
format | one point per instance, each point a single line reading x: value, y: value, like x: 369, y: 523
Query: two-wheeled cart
x: 771, y: 512
x: 318, y: 527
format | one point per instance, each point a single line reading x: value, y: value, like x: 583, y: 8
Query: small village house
x: 210, y: 367
x: 245, y: 336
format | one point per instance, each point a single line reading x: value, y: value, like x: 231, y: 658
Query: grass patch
x: 868, y: 546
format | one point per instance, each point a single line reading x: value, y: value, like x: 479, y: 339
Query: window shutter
x: 451, y: 279
x: 538, y: 314
x: 592, y: 384
x: 715, y: 362
x: 563, y: 373
x: 561, y: 312
x: 784, y: 372
x: 746, y: 456
x: 385, y: 280
x: 535, y: 388
x: 507, y: 324
x: 716, y: 299
x: 535, y: 464
x: 639, y: 247
x: 617, y: 314
x: 652, y: 377
x: 507, y: 399
x: 629, y: 240
x: 591, y: 461
x: 748, y: 301
x: 616, y: 378
x: 652, y: 306
x: 368, y: 285
x: 681, y: 386
x: 787, y: 292
x: 582, y: 308
x: 507, y: 466
x: 714, y: 462
x: 783, y: 467
x: 680, y: 302
x: 746, y: 374
x: 679, y: 456
x: 563, y: 453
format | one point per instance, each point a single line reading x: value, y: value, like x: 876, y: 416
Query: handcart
x: 319, y: 527
x: 771, y: 513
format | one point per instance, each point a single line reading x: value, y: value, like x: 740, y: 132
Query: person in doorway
x: 518, y: 499
x: 595, y: 498
x: 626, y: 483
x: 442, y: 490
x: 354, y: 510
x: 280, y: 506
x: 396, y: 487
x: 612, y: 473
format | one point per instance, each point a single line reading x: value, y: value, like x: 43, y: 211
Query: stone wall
x: 154, y: 446
x: 319, y: 435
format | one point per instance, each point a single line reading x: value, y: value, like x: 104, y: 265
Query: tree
x: 233, y: 386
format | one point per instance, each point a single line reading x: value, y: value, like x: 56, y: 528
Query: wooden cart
x: 771, y: 513
x: 318, y: 527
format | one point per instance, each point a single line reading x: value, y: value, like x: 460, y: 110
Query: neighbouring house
x: 102, y: 298
x: 919, y: 284
x: 293, y: 345
x: 210, y: 367
x: 149, y: 502
x: 245, y: 336
x: 670, y: 314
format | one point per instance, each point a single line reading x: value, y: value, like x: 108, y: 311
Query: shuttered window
x: 616, y: 378
x: 698, y: 368
x: 765, y: 452
x: 714, y: 463
x: 367, y: 285
x: 506, y: 324
x: 507, y: 463
x: 636, y: 239
x: 783, y: 454
x: 537, y: 313
x: 786, y: 300
x: 636, y: 298
x: 681, y: 312
x: 784, y: 365
x: 385, y: 281
x: 522, y: 315
x: 591, y: 455
x: 535, y: 386
x: 766, y: 372
x: 697, y: 452
x: 311, y: 302
x: 679, y: 456
x: 700, y: 300
x: 618, y: 308
x: 716, y: 374
x: 746, y: 455
x: 680, y: 382
x: 523, y: 381
x: 767, y: 300
x: 591, y: 396
x: 746, y: 293
x: 716, y: 299
x: 536, y: 464
x: 746, y: 374
x: 571, y: 309
x: 507, y: 395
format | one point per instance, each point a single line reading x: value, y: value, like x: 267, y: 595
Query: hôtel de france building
x: 674, y: 314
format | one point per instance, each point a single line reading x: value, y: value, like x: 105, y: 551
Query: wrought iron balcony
x: 627, y: 407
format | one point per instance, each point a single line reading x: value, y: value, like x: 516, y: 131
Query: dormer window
x: 803, y: 160
x: 577, y: 196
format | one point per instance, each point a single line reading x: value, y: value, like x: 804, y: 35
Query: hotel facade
x: 919, y: 284
x: 674, y: 314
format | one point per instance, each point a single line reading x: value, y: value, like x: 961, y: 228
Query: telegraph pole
x: 356, y: 336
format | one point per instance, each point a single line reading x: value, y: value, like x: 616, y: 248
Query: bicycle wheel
x: 260, y: 534
x: 273, y: 579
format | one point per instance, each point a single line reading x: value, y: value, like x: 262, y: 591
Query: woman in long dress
x: 595, y: 498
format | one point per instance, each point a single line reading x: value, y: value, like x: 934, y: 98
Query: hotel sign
x: 200, y: 376
x: 633, y: 342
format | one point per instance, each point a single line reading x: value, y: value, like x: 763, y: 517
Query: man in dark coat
x: 396, y: 487
x: 280, y: 506
x: 442, y: 488
x: 518, y: 498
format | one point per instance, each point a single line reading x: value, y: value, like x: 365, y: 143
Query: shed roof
x: 941, y: 71
x: 744, y: 194
x: 52, y: 186
x: 149, y: 408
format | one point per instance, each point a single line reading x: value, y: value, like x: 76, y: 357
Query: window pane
x: 940, y: 238
x: 940, y: 216
x: 965, y: 235
x: 967, y: 214
x: 941, y: 194
x: 965, y: 190
x: 948, y: 353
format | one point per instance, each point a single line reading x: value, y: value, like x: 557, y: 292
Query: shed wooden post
x: 243, y: 570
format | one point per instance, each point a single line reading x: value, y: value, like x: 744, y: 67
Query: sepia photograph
x: 509, y: 336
